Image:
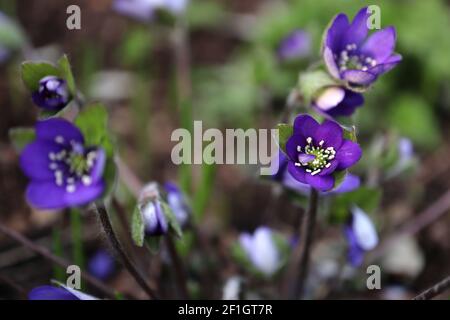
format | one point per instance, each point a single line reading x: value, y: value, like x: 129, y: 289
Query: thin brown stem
x: 42, y: 251
x: 180, y: 275
x: 299, y: 263
x: 435, y: 290
x: 108, y: 228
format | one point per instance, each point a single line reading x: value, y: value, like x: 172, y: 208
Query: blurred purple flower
x: 52, y: 93
x: 351, y: 57
x: 337, y: 101
x: 58, y: 293
x: 144, y: 10
x: 361, y: 236
x: 154, y: 219
x: 102, y: 265
x: 317, y: 151
x: 63, y: 172
x: 177, y: 202
x: 296, y: 45
x: 261, y: 250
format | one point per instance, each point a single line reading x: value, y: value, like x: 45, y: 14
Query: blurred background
x: 238, y: 80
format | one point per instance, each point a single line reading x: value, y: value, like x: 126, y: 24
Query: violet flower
x: 317, y: 151
x: 154, y: 219
x: 63, y: 171
x: 295, y: 45
x: 102, y: 265
x: 52, y: 95
x: 351, y: 57
x: 337, y: 101
x: 177, y: 202
x: 361, y: 236
x: 144, y: 10
x: 261, y: 250
x: 58, y: 293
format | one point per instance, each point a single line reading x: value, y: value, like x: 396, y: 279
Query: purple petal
x: 387, y: 65
x: 350, y: 183
x: 336, y: 31
x: 51, y: 128
x: 358, y: 77
x: 99, y: 166
x: 50, y: 293
x: 297, y: 173
x: 327, y: 171
x: 138, y: 9
x: 296, y: 45
x: 304, y: 158
x: 84, y: 194
x: 155, y: 220
x: 357, y: 31
x: 364, y: 230
x: 348, y: 154
x: 330, y: 97
x: 292, y: 143
x: 380, y: 45
x: 320, y: 183
x: 102, y: 265
x: 331, y: 133
x: 35, y: 161
x: 347, y: 107
x: 305, y: 125
x: 330, y: 62
x: 279, y: 166
x: 294, y: 184
x: 355, y: 253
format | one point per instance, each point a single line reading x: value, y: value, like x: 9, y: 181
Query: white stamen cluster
x: 71, y: 163
x: 349, y: 59
x: 322, y: 159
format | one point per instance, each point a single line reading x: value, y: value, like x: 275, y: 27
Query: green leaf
x: 33, y: 72
x: 171, y: 219
x: 339, y: 177
x: 312, y: 82
x: 285, y: 131
x: 66, y: 74
x: 20, y: 137
x: 350, y: 133
x: 153, y: 243
x: 137, y: 227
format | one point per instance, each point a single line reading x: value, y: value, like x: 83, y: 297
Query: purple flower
x: 317, y: 151
x: 337, y: 101
x: 102, y: 265
x: 261, y: 250
x: 63, y: 172
x: 52, y: 94
x: 296, y: 45
x: 361, y: 236
x: 177, y: 203
x: 351, y: 57
x: 58, y: 293
x: 144, y: 10
x: 154, y: 219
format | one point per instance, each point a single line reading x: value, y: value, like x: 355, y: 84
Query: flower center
x: 351, y: 59
x: 315, y: 158
x: 72, y: 165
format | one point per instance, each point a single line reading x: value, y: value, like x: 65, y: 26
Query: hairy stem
x: 180, y: 275
x: 433, y: 291
x: 114, y: 241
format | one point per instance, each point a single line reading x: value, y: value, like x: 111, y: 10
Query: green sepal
x: 21, y: 136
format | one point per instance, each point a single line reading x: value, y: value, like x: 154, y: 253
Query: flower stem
x: 299, y: 263
x: 180, y: 275
x: 436, y: 289
x: 77, y: 237
x: 108, y: 228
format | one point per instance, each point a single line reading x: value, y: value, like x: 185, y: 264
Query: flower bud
x: 52, y: 94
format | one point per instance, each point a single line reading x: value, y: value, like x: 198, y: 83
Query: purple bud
x: 296, y: 45
x: 52, y: 93
x: 154, y: 219
x: 177, y: 202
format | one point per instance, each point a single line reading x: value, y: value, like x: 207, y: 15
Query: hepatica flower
x: 338, y: 101
x: 144, y: 10
x: 52, y: 95
x: 296, y: 45
x: 316, y: 152
x: 102, y: 265
x: 352, y: 56
x: 58, y: 293
x: 361, y: 236
x: 261, y: 250
x: 177, y: 202
x: 63, y: 171
x: 154, y: 219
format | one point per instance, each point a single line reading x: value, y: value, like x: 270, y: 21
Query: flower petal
x: 336, y: 31
x: 305, y: 125
x: 365, y: 233
x: 348, y: 154
x: 330, y: 97
x: 45, y: 195
x: 35, y: 161
x: 84, y: 194
x: 330, y: 62
x: 51, y: 128
x: 387, y: 65
x: 357, y: 31
x: 50, y: 293
x: 293, y: 184
x: 297, y: 173
x: 320, y: 183
x: 380, y: 45
x: 347, y: 107
x: 292, y: 144
x: 358, y: 77
x: 326, y: 171
x: 331, y: 133
x: 350, y: 183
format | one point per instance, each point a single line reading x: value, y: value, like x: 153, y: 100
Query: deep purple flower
x: 63, y: 171
x: 154, y: 219
x: 102, y: 265
x: 296, y: 45
x: 351, y: 57
x: 177, y: 203
x: 144, y: 10
x: 261, y: 250
x: 337, y: 101
x: 361, y: 236
x: 58, y: 293
x: 317, y: 151
x: 52, y: 93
